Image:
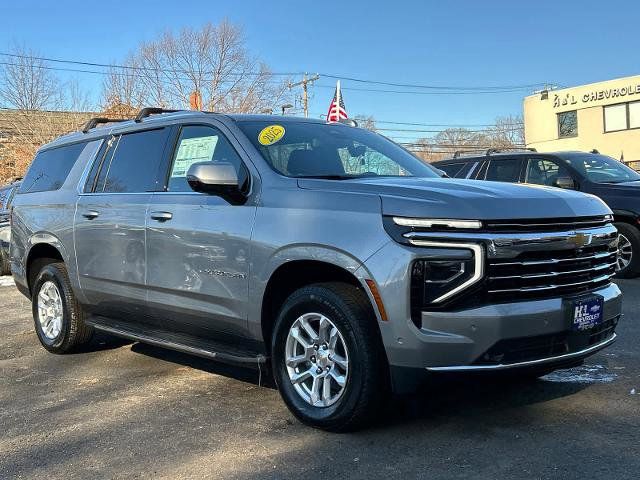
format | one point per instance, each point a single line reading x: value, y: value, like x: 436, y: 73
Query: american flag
x: 337, y: 110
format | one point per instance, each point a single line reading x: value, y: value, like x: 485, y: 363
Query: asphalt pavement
x: 126, y: 410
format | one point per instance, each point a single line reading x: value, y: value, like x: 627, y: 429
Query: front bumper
x: 458, y: 340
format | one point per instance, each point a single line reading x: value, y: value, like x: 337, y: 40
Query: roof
x: 510, y: 154
x: 123, y: 126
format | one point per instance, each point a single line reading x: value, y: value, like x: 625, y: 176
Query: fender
x: 290, y: 253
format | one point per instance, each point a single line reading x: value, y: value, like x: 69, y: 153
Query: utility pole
x: 305, y: 94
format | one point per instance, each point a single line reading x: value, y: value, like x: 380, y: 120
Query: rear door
x: 110, y: 222
x: 199, y: 244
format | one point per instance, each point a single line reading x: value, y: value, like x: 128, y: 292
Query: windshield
x: 334, y: 151
x: 602, y: 169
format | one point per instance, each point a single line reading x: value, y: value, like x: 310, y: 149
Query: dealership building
x: 604, y: 116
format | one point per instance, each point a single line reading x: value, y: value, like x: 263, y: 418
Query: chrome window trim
x: 472, y: 171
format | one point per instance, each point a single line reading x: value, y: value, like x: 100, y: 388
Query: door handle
x: 161, y: 216
x: 90, y: 215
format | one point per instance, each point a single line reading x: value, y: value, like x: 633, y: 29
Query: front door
x: 198, y: 245
x: 110, y: 224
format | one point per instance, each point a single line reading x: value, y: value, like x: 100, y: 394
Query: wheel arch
x: 297, y: 273
x: 41, y: 254
x: 626, y: 216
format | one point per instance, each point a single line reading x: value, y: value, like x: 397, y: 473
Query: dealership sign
x: 567, y: 99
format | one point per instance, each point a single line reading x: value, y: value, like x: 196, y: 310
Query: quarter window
x: 199, y: 144
x: 132, y: 163
x: 507, y: 170
x: 50, y: 168
x: 568, y: 124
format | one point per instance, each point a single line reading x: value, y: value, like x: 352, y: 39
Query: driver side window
x: 541, y: 171
x: 199, y: 143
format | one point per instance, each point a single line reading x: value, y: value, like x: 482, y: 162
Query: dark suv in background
x: 6, y: 196
x: 605, y: 177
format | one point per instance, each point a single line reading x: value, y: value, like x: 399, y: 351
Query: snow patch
x: 582, y: 374
x: 6, y: 281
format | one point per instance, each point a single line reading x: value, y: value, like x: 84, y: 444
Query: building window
x: 634, y: 115
x: 615, y: 117
x: 568, y: 124
x: 622, y: 116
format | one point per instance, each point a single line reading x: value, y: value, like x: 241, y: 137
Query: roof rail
x: 148, y: 111
x: 491, y: 151
x: 97, y: 121
x: 459, y: 153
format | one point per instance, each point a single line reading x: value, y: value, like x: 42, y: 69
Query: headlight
x: 435, y: 280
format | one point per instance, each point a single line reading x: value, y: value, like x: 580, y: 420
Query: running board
x: 180, y: 343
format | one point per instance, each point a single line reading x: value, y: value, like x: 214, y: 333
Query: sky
x: 459, y: 43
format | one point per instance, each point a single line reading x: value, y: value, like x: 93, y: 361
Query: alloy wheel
x: 317, y: 360
x: 50, y: 310
x: 625, y: 253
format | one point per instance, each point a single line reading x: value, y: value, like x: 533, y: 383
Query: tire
x: 52, y: 282
x: 628, y: 267
x: 366, y: 382
x: 5, y: 266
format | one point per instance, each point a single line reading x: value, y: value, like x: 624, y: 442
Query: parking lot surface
x: 126, y: 410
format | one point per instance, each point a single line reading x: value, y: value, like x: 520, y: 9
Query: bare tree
x: 26, y: 83
x: 366, y: 121
x: 508, y: 132
x: 212, y: 61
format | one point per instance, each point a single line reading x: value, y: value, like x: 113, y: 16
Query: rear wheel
x: 58, y: 318
x: 628, y: 262
x: 327, y: 357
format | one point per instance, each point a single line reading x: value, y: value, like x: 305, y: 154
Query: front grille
x: 546, y: 224
x: 543, y: 274
x: 524, y: 349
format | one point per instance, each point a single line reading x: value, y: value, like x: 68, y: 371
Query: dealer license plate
x: 587, y: 313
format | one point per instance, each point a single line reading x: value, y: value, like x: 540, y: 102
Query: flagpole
x: 338, y: 94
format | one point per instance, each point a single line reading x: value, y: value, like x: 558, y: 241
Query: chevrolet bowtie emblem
x: 581, y: 240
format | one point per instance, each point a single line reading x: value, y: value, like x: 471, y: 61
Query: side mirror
x: 216, y: 178
x: 565, y: 182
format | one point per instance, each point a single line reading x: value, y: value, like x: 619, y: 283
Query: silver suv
x: 324, y: 251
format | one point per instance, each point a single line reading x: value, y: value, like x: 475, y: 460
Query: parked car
x: 605, y: 177
x: 6, y: 196
x: 325, y: 251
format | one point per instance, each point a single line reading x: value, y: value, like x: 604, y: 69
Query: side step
x: 173, y: 341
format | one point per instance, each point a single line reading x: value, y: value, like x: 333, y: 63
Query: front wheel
x: 628, y: 261
x: 327, y: 357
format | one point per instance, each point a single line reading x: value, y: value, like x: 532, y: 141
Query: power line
x: 442, y: 88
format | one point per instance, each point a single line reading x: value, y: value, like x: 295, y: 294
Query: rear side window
x: 131, y: 165
x: 451, y: 169
x: 507, y: 170
x: 50, y: 168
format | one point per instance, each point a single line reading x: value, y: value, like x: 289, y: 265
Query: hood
x: 466, y: 199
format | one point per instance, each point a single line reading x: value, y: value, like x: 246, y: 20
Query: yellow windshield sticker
x: 271, y: 134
